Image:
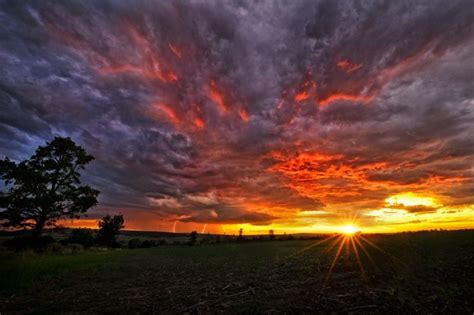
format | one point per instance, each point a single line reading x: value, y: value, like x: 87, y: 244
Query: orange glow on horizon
x: 446, y: 220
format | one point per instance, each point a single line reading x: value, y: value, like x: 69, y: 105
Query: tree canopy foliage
x: 109, y: 228
x: 46, y: 187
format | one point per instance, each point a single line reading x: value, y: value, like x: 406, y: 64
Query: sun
x: 349, y: 229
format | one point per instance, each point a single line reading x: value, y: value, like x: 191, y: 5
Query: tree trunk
x: 37, y: 230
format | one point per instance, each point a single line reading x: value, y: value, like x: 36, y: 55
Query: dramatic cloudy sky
x: 214, y: 115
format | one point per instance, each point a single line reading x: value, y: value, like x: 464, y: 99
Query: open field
x: 426, y: 272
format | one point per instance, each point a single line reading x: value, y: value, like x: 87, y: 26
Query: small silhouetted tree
x: 271, y: 234
x: 192, y: 238
x: 109, y: 228
x: 241, y: 232
x: 46, y: 187
x: 206, y: 239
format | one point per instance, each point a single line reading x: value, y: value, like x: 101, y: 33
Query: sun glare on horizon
x: 349, y: 229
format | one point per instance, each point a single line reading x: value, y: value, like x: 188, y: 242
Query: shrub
x: 241, y: 232
x: 76, y: 247
x: 55, y: 248
x: 109, y: 228
x: 137, y: 243
x: 148, y: 244
x: 271, y: 235
x: 83, y: 237
x: 134, y: 243
x: 116, y: 244
x: 192, y: 238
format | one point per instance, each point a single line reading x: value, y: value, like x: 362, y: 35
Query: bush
x: 192, y: 238
x: 137, y: 243
x: 148, y: 244
x: 55, y: 248
x: 83, y: 237
x: 76, y: 247
x: 116, y: 244
x: 109, y: 228
x: 134, y: 243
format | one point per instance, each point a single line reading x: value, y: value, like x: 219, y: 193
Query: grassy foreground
x: 429, y: 272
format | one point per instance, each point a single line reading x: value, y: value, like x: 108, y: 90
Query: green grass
x: 28, y: 269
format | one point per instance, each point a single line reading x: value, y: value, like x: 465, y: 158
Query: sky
x: 296, y: 116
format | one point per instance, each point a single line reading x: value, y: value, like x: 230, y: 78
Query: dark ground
x: 426, y: 272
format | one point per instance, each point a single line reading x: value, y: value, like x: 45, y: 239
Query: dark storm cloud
x: 229, y: 215
x: 179, y: 101
x: 413, y: 209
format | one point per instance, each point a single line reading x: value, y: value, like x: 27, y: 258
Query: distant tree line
x: 106, y: 236
x: 217, y: 238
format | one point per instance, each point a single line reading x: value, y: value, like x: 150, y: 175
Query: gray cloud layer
x: 188, y: 105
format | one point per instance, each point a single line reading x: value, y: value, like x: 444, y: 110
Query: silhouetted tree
x: 109, y: 228
x: 271, y: 234
x: 192, y: 238
x: 46, y: 187
x: 241, y: 232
